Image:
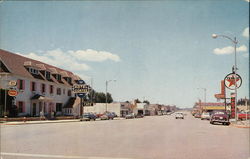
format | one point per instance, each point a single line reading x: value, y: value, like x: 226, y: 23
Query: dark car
x: 220, y: 117
x: 139, y: 116
x: 88, y: 117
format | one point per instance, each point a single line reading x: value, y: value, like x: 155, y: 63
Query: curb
x: 239, y: 126
x: 41, y: 122
x: 44, y: 122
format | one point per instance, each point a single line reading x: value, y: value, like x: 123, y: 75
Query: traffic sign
x: 232, y: 80
x: 12, y: 93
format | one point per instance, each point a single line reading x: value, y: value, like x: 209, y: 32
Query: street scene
x: 124, y: 79
x: 152, y: 137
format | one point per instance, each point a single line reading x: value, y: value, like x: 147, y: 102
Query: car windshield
x: 219, y: 113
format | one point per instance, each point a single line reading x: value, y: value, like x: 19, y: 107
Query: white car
x: 179, y: 116
x: 205, y: 115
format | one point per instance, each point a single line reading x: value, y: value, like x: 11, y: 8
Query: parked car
x: 205, y: 115
x: 88, y: 117
x: 169, y: 113
x: 197, y: 115
x: 114, y: 114
x: 220, y: 117
x: 107, y: 116
x: 130, y: 116
x: 243, y: 115
x: 139, y: 116
x: 179, y: 116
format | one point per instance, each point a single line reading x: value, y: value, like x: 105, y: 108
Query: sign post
x: 81, y: 89
x: 233, y: 81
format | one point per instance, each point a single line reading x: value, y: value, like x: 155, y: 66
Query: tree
x: 137, y: 101
x: 99, y: 97
x: 146, y: 101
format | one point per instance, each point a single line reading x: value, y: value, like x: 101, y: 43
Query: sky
x: 160, y: 51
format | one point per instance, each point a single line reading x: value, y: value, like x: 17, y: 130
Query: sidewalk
x: 241, y: 124
x: 45, y: 121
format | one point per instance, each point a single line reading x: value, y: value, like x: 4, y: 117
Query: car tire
x: 211, y: 122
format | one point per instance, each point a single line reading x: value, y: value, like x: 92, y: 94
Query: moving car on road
x: 205, y: 115
x: 179, y: 116
x: 220, y: 117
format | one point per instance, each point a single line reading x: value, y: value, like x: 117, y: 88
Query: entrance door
x: 34, y: 109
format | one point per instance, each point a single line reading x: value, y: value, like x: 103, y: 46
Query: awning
x: 41, y: 97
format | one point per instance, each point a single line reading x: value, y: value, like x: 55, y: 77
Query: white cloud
x: 247, y: 0
x: 245, y: 33
x: 229, y: 50
x: 93, y: 55
x: 59, y: 59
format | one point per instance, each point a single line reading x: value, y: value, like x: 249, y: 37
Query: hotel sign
x: 81, y: 89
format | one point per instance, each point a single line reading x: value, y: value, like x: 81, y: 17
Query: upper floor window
x: 47, y: 75
x: 33, y: 71
x: 33, y: 86
x: 21, y: 84
x: 51, y: 89
x: 43, y: 88
x: 58, y: 91
x: 69, y: 93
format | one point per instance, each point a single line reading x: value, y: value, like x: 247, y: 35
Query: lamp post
x: 107, y: 92
x: 205, y: 95
x: 234, y: 41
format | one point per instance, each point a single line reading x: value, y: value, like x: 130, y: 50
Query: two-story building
x: 41, y: 87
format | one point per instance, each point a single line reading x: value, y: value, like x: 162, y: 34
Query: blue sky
x: 161, y: 51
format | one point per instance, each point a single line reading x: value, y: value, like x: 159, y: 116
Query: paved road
x: 154, y: 137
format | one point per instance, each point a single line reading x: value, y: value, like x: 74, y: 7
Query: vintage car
x: 205, y: 115
x: 220, y: 117
x: 179, y: 116
x: 243, y: 115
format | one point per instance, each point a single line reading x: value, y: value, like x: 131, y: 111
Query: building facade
x: 41, y: 87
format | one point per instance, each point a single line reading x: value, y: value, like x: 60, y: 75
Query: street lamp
x: 107, y: 92
x: 205, y: 93
x: 234, y: 41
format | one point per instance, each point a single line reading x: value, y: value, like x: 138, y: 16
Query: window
x: 69, y: 92
x: 33, y: 71
x: 33, y: 86
x: 43, y: 88
x: 58, y: 77
x: 20, y: 107
x: 47, y: 75
x: 58, y: 91
x: 51, y: 89
x: 20, y: 84
x: 63, y: 91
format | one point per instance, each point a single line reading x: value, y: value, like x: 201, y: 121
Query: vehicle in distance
x: 205, y: 115
x: 88, y: 117
x: 129, y: 116
x: 139, y: 116
x: 220, y: 117
x: 107, y: 116
x: 179, y: 116
x: 197, y: 115
x: 243, y: 115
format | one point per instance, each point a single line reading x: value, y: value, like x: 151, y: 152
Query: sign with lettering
x: 232, y: 105
x: 232, y: 81
x: 81, y: 89
x: 12, y: 93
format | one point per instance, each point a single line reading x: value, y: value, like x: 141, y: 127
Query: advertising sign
x: 232, y: 80
x: 12, y: 93
x: 232, y: 105
x: 81, y: 89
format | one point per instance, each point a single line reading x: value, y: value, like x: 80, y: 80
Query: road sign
x: 81, y: 89
x: 12, y: 93
x: 232, y: 80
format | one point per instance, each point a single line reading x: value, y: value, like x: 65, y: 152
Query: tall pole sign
x: 233, y: 81
x: 81, y: 89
